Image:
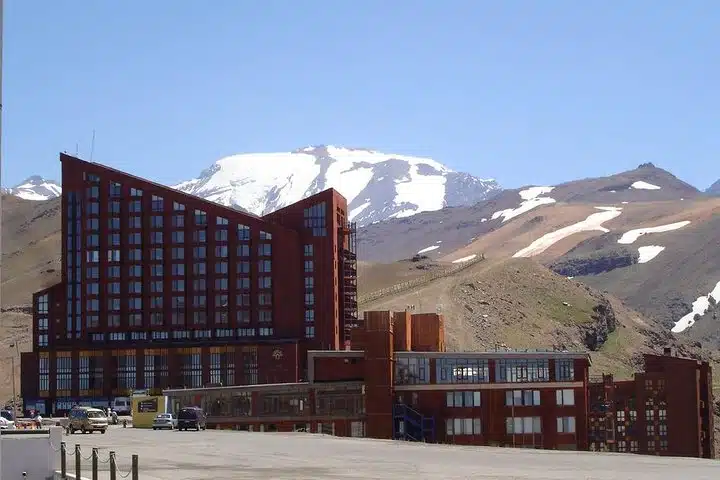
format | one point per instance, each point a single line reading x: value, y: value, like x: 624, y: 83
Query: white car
x: 164, y: 420
x: 6, y: 424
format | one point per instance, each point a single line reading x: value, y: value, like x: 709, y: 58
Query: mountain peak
x: 35, y: 187
x: 376, y: 185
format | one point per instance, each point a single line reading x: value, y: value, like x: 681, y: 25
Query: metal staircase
x: 348, y: 279
x: 411, y: 425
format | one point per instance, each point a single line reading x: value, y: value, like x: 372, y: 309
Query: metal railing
x: 417, y: 282
x: 96, y: 461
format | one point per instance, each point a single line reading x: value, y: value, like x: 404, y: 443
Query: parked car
x: 191, y: 418
x: 6, y: 424
x: 164, y: 420
x: 87, y: 419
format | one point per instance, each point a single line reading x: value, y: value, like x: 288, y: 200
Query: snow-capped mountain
x: 714, y: 188
x: 35, y: 188
x: 377, y: 185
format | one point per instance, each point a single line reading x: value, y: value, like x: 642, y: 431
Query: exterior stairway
x: 411, y: 425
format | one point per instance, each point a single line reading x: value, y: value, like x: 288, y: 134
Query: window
x: 199, y: 268
x: 93, y: 223
x: 115, y: 189
x: 411, y: 370
x: 134, y: 222
x: 650, y: 430
x: 564, y: 370
x: 221, y: 300
x: 243, y: 283
x: 199, y: 252
x: 265, y: 332
x: 135, y: 192
x: 178, y: 207
x: 156, y: 221
x: 44, y: 374
x: 264, y: 266
x: 464, y: 399
x: 114, y: 223
x: 178, y: 285
x: 522, y: 398
x: 523, y: 425
x: 200, y: 217
x: 264, y: 299
x: 522, y: 370
x: 309, y: 331
x: 264, y: 316
x: 221, y: 268
x: 157, y: 203
x: 135, y: 255
x: 135, y: 303
x: 565, y: 397
x: 243, y: 251
x: 309, y: 250
x: 221, y: 235
x: 462, y: 426
x: 264, y: 282
x: 243, y: 233
x: 178, y: 269
x: 156, y: 237
x: 242, y: 300
x: 662, y: 430
x: 243, y: 267
x: 309, y: 266
x: 315, y: 219
x: 64, y: 366
x: 134, y: 287
x: 178, y: 221
x: 566, y: 424
x: 200, y: 236
x: 309, y: 283
x: 126, y: 369
x: 462, y: 370
x: 114, y: 239
x: 134, y: 238
x: 178, y: 253
x: 113, y: 256
x: 264, y: 250
x: 221, y: 284
x: 622, y: 446
x: 135, y: 206
x: 93, y: 240
x: 221, y: 251
x: 243, y: 316
x: 309, y: 299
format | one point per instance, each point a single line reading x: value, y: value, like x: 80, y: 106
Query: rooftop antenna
x: 77, y: 148
x: 92, y: 146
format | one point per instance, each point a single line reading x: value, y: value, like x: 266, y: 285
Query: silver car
x: 164, y: 420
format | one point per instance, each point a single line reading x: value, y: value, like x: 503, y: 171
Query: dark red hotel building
x: 161, y: 289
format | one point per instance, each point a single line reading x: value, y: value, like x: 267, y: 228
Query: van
x: 122, y: 405
x: 191, y: 418
x: 87, y: 419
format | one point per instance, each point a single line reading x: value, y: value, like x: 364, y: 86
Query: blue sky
x: 522, y: 91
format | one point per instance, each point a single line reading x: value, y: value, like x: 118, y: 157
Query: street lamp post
x: 14, y: 393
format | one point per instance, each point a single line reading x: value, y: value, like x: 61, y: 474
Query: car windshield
x: 187, y: 414
x: 96, y: 415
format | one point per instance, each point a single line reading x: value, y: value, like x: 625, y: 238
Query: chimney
x: 667, y: 351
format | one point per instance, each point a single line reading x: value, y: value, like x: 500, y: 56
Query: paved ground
x: 241, y: 455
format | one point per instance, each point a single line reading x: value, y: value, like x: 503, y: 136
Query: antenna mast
x: 92, y: 143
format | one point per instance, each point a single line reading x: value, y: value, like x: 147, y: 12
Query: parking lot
x: 237, y: 455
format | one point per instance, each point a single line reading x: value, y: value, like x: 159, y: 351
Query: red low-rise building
x: 534, y: 399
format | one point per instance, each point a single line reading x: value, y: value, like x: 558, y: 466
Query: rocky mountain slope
x: 376, y: 185
x: 714, y: 189
x: 644, y: 236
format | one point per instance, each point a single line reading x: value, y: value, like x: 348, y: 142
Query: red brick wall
x: 339, y: 369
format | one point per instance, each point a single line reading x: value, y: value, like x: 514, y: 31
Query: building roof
x: 542, y: 354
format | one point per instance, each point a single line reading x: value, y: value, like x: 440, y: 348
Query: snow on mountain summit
x: 35, y: 188
x: 376, y: 185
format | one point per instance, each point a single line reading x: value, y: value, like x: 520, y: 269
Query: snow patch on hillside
x: 428, y: 249
x: 631, y: 236
x: 649, y: 252
x: 640, y: 185
x: 699, y: 307
x: 591, y: 223
x: 465, y: 259
x: 531, y: 199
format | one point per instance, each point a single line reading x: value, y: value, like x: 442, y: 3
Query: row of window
x: 533, y: 425
x: 416, y: 370
x: 469, y: 398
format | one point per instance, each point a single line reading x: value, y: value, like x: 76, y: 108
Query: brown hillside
x: 521, y: 304
x: 30, y: 262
